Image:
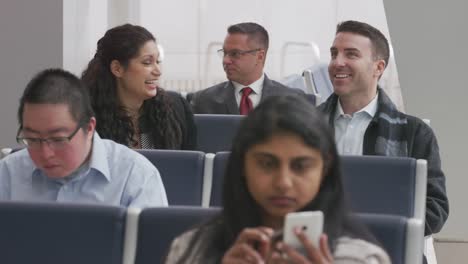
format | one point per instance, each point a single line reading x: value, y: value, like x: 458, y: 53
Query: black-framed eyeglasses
x: 52, y: 142
x: 235, y: 54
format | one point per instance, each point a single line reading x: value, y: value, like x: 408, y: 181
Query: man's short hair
x: 380, y: 46
x: 57, y: 86
x: 254, y: 31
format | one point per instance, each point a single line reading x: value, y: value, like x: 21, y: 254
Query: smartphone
x: 310, y: 222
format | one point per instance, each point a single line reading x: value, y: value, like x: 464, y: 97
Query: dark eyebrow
x: 346, y: 49
x: 261, y: 154
x: 52, y: 131
x: 352, y: 49
x: 304, y: 158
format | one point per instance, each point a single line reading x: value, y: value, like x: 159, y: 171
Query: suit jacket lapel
x: 229, y: 99
x: 268, y: 88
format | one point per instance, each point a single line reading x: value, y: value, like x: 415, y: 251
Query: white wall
x: 84, y: 22
x: 31, y: 41
x: 430, y: 41
x: 191, y: 31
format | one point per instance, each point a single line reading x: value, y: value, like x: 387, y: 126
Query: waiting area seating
x: 181, y: 172
x: 157, y: 227
x: 216, y: 132
x: 61, y: 233
x: 388, y: 193
x: 56, y: 233
x: 397, y: 185
x: 399, y: 236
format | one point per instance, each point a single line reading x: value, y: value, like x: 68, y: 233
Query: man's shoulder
x: 18, y: 158
x: 210, y: 91
x: 121, y: 156
x: 18, y: 165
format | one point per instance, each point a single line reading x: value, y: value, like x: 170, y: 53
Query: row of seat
x: 71, y: 233
x: 214, y: 133
x: 373, y: 184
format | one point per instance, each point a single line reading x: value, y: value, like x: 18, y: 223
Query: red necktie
x: 245, y: 104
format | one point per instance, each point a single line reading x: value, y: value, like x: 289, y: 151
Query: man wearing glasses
x: 243, y: 53
x: 65, y: 160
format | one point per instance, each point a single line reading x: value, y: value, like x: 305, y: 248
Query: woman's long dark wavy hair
x: 290, y: 114
x: 156, y: 118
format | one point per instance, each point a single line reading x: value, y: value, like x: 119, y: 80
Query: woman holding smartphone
x: 283, y: 160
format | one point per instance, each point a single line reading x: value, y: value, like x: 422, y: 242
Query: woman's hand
x: 251, y: 246
x: 287, y: 254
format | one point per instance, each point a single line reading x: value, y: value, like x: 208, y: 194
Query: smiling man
x: 366, y: 122
x: 244, y: 53
x: 65, y: 160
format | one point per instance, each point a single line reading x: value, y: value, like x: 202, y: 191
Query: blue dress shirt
x: 114, y: 175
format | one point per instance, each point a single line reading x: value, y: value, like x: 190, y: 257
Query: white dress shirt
x: 350, y: 129
x: 256, y: 87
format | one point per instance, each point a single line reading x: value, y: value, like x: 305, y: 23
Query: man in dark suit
x: 244, y: 53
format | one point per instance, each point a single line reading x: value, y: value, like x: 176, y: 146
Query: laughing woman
x: 130, y: 106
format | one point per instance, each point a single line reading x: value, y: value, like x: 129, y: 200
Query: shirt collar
x: 97, y: 161
x: 370, y: 108
x: 256, y: 86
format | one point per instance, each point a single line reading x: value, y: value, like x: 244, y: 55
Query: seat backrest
x: 157, y: 227
x: 219, y: 166
x: 216, y: 132
x: 400, y: 236
x: 385, y: 185
x: 57, y: 233
x: 320, y: 80
x: 294, y: 81
x: 373, y: 184
x: 390, y: 231
x: 181, y: 172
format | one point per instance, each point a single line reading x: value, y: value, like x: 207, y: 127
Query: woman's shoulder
x: 353, y: 250
x: 181, y: 244
x: 176, y: 100
x: 172, y: 95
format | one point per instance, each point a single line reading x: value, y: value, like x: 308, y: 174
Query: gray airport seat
x: 154, y: 229
x: 398, y: 235
x: 386, y: 185
x: 373, y: 184
x: 216, y: 132
x: 56, y: 233
x: 181, y: 172
x: 219, y: 166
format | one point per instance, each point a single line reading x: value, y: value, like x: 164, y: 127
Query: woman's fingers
x: 250, y: 247
x: 316, y: 255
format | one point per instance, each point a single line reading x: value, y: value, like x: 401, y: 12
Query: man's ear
x: 91, y: 126
x: 261, y: 56
x: 380, y: 67
x: 116, y: 68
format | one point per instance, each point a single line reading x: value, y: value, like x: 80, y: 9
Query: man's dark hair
x: 254, y: 31
x: 57, y: 86
x: 379, y: 42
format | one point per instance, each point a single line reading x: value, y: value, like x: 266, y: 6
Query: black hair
x: 57, y: 86
x: 157, y: 117
x: 380, y: 46
x: 254, y: 31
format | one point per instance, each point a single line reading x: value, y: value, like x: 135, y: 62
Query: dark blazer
x: 184, y: 115
x: 220, y: 99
